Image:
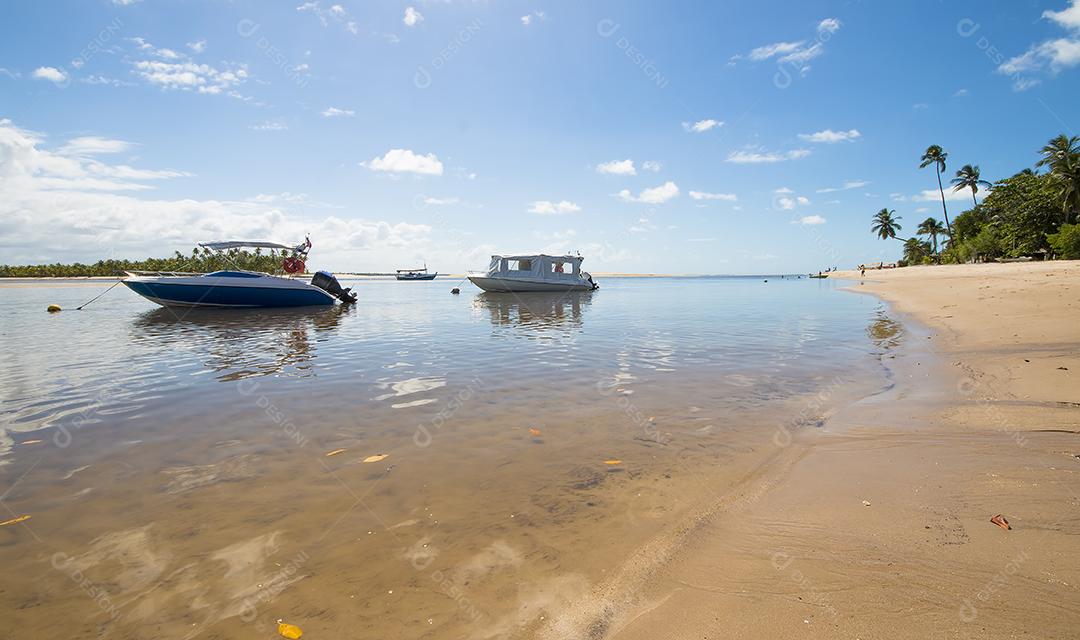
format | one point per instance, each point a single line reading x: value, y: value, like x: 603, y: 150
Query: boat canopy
x: 536, y: 265
x: 236, y: 244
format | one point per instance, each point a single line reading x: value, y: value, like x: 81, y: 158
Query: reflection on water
x: 541, y: 310
x: 244, y: 344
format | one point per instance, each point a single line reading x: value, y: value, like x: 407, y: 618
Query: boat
x: 415, y: 274
x: 540, y: 272
x: 234, y: 288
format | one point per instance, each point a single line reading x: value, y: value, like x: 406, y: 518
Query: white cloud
x: 61, y: 208
x: 828, y: 136
x: 549, y: 208
x: 125, y: 3
x: 795, y: 52
x: 777, y: 48
x: 528, y: 18
x: 652, y: 165
x: 933, y: 195
x: 52, y: 74
x: 441, y: 201
x: 198, y: 46
x: 960, y: 93
x: 1050, y: 57
x: 766, y: 157
x: 809, y: 220
x: 850, y: 184
x: 654, y: 195
x: 189, y: 76
x: 334, y: 112
x: 335, y: 14
x: 701, y: 126
x: 11, y: 74
x: 829, y: 25
x: 270, y: 125
x: 617, y: 168
x: 405, y: 161
x: 93, y: 145
x: 1069, y: 17
x: 705, y: 195
x: 412, y: 17
x: 784, y: 190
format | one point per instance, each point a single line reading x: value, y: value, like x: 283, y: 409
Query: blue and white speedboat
x: 240, y: 289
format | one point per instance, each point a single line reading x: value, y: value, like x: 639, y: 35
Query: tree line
x: 200, y: 261
x: 1028, y: 214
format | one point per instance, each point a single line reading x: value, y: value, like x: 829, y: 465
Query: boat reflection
x: 262, y: 342
x: 545, y: 310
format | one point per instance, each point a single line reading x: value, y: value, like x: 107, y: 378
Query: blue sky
x: 672, y: 137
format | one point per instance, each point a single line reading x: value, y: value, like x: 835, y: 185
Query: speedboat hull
x: 235, y: 289
x: 520, y: 285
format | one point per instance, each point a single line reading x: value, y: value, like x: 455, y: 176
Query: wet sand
x: 879, y: 524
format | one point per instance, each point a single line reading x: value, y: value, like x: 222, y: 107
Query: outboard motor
x: 328, y: 283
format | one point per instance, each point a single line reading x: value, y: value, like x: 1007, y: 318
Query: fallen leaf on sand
x: 1000, y: 521
x: 335, y: 452
x: 612, y: 462
x: 14, y: 521
x: 534, y: 432
x: 377, y: 457
x: 290, y: 631
x: 31, y: 441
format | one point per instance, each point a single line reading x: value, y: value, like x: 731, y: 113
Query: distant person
x: 862, y: 272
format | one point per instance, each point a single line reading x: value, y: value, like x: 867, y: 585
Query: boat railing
x: 163, y: 274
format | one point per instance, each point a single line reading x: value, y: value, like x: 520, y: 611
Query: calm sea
x: 418, y: 465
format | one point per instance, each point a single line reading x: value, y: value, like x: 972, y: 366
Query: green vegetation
x: 1028, y: 214
x: 1066, y: 242
x: 200, y: 261
x: 886, y: 224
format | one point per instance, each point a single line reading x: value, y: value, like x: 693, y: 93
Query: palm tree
x: 936, y: 156
x: 1062, y: 155
x: 915, y: 250
x: 931, y: 227
x: 886, y: 224
x: 968, y: 178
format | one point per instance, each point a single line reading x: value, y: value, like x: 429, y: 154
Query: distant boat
x: 240, y: 289
x: 415, y: 274
x: 534, y: 273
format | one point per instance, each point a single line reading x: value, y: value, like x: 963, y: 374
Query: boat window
x: 521, y: 265
x: 560, y: 267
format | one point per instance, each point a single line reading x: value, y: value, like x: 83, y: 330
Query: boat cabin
x: 541, y: 267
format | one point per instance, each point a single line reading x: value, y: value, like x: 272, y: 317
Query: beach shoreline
x: 878, y: 524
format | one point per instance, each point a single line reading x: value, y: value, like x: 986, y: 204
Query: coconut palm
x: 933, y: 228
x: 886, y: 224
x: 968, y: 178
x: 1062, y: 155
x: 915, y: 250
x: 936, y: 156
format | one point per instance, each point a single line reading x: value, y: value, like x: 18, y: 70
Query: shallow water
x: 182, y: 487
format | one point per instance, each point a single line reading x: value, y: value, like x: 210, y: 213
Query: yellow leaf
x: 290, y: 631
x: 335, y: 452
x: 534, y: 432
x: 613, y: 462
x: 377, y: 457
x: 14, y: 520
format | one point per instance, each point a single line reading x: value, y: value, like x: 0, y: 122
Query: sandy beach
x: 878, y: 524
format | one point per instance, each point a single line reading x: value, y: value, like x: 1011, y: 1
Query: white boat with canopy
x: 538, y: 272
